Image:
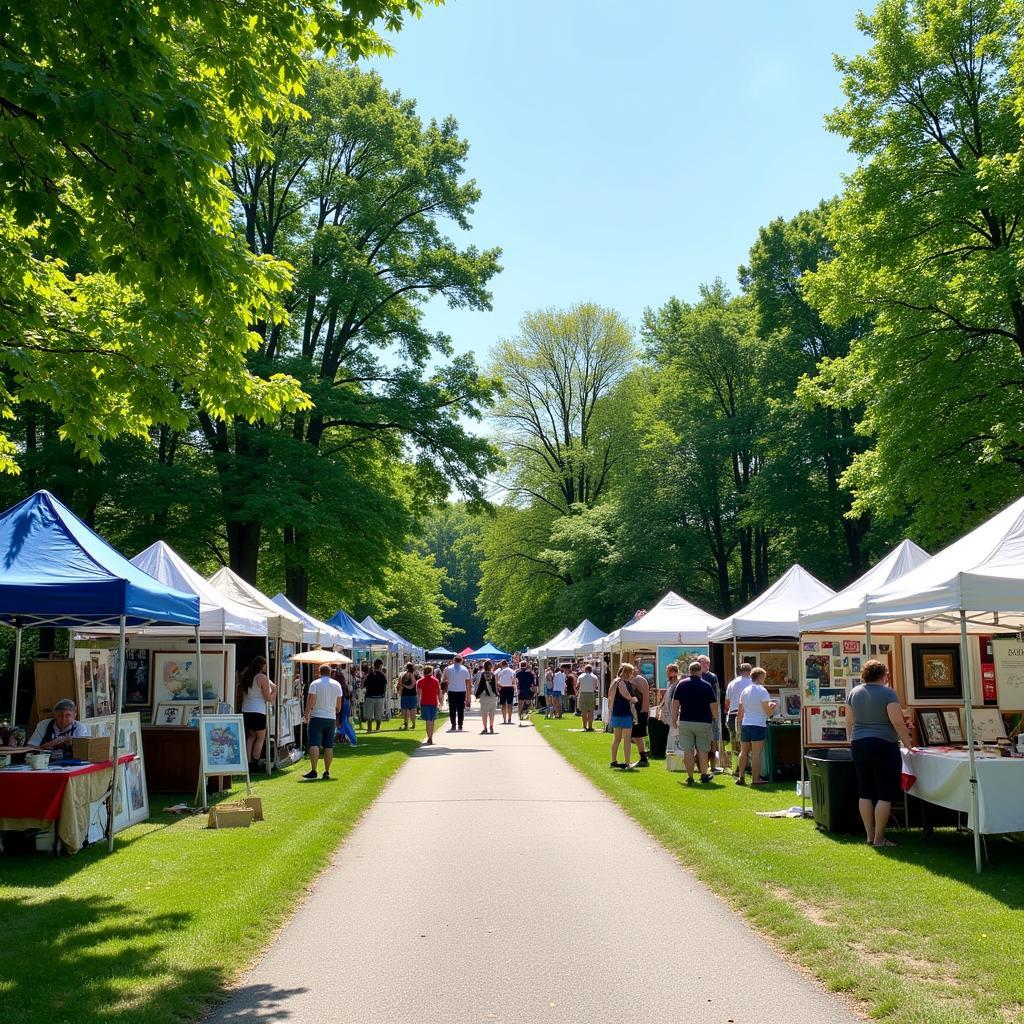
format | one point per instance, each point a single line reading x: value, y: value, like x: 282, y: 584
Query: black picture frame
x: 931, y: 728
x: 937, y: 674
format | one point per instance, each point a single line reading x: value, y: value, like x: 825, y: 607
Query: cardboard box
x: 256, y: 803
x: 230, y: 816
x: 92, y: 748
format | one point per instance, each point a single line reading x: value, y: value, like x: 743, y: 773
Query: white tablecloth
x: 943, y: 777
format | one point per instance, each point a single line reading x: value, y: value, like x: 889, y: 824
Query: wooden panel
x: 172, y: 760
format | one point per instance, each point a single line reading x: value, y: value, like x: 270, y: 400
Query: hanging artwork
x: 93, y: 678
x: 817, y: 673
x: 136, y: 677
x: 174, y: 675
x: 937, y: 672
x: 827, y: 724
x: 778, y: 668
x: 678, y: 656
x: 1009, y: 662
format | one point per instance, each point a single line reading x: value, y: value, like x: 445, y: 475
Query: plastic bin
x: 657, y: 737
x: 834, y: 789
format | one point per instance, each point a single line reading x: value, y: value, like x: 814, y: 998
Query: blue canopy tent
x: 360, y: 637
x: 58, y: 572
x: 441, y: 652
x: 488, y: 651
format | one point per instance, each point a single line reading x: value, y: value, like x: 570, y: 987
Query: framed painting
x: 175, y: 675
x: 778, y: 667
x: 222, y: 746
x: 951, y: 720
x: 789, y: 702
x: 93, y: 678
x: 169, y: 713
x: 931, y: 728
x: 137, y: 692
x: 680, y: 656
x: 937, y: 672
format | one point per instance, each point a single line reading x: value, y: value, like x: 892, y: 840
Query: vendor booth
x: 59, y: 573
x: 488, y: 651
x: 362, y: 645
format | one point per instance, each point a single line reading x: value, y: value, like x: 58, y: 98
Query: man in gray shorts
x: 694, y: 707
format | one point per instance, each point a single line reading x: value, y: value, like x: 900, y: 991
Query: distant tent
x: 487, y: 651
x: 465, y: 651
x: 343, y: 621
x: 440, y: 652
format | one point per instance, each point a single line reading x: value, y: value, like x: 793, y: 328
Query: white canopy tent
x: 776, y: 612
x: 313, y: 630
x: 584, y: 633
x: 538, y: 651
x: 281, y: 624
x: 845, y: 610
x: 673, y: 620
x: 980, y: 580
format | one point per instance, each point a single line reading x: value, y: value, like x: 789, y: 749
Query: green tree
x: 454, y: 536
x: 123, y: 283
x: 928, y: 242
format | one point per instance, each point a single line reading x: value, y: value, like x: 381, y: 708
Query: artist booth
x: 59, y: 573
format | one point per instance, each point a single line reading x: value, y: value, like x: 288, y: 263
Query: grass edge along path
x: 156, y: 932
x: 912, y: 934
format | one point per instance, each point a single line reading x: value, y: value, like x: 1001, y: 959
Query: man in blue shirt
x: 694, y: 708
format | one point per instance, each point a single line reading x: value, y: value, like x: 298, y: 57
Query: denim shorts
x: 408, y: 703
x: 622, y: 722
x: 321, y: 732
x: 429, y: 712
x: 753, y: 733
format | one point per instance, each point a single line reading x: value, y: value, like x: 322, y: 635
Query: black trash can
x: 834, y: 789
x: 657, y: 737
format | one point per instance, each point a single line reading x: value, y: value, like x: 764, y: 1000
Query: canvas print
x: 951, y: 720
x: 222, y: 742
x: 175, y: 675
x: 679, y: 656
x: 937, y: 672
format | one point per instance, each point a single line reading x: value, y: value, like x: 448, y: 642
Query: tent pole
x: 71, y: 644
x: 201, y: 793
x: 118, y: 700
x: 17, y: 673
x: 965, y: 671
x: 277, y: 706
x: 735, y: 658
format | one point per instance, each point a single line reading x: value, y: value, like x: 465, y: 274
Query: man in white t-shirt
x: 557, y: 691
x: 756, y: 705
x: 586, y: 696
x: 505, y: 678
x: 458, y: 679
x: 733, y: 692
x: 322, y: 706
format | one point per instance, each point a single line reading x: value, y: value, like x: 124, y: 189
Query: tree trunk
x: 244, y: 548
x: 296, y: 565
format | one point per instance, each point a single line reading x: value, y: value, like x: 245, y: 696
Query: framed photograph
x: 988, y: 725
x: 951, y: 720
x: 174, y: 675
x: 789, y: 702
x: 222, y: 745
x: 931, y: 728
x: 937, y: 672
x: 169, y: 714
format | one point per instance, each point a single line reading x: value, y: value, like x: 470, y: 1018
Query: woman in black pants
x: 877, y: 723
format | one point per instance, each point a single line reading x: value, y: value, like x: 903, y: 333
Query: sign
x: 1009, y: 661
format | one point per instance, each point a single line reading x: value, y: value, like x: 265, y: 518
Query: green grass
x: 912, y: 934
x: 157, y: 930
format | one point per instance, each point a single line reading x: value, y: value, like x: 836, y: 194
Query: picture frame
x: 826, y: 725
x: 190, y: 718
x: 130, y: 794
x: 174, y: 676
x: 93, y: 683
x: 680, y: 656
x: 168, y: 713
x: 222, y: 746
x: 988, y: 725
x: 931, y: 728
x: 954, y: 730
x: 789, y: 702
x: 778, y: 668
x: 936, y: 672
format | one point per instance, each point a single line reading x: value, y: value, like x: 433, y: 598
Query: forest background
x: 242, y: 368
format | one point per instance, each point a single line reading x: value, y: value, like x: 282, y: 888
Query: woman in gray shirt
x: 877, y: 723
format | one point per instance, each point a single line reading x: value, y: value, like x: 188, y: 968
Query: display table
x: 34, y: 799
x: 942, y: 775
x: 781, y: 747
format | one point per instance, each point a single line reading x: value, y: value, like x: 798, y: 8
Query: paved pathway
x: 491, y: 882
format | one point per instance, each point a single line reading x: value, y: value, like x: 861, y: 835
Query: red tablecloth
x: 38, y: 794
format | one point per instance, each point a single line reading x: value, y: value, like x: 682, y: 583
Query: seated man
x: 59, y: 731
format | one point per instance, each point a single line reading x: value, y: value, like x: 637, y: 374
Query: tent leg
x: 17, y: 673
x: 118, y: 700
x: 965, y: 671
x: 276, y: 730
x: 201, y: 791
x: 735, y: 659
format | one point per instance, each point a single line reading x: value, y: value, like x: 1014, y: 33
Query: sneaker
x: 741, y: 782
x: 690, y: 781
x: 643, y: 762
x: 326, y: 775
x: 706, y: 778
x: 616, y: 764
x: 311, y: 775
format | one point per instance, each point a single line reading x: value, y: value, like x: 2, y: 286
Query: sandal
x: 882, y: 845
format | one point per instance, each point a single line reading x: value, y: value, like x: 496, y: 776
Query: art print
x: 175, y: 675
x: 776, y: 665
x: 169, y: 714
x: 988, y: 725
x: 818, y: 667
x: 222, y: 745
x: 136, y: 677
x: 789, y: 702
x: 680, y: 656
x: 951, y: 720
x: 931, y: 728
x: 811, y: 645
x: 93, y: 683
x: 937, y: 672
x: 827, y: 724
x: 832, y: 695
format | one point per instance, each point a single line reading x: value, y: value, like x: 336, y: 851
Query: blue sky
x: 627, y: 158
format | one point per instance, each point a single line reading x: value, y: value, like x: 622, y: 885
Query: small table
x: 34, y: 799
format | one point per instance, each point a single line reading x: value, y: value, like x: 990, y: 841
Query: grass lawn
x: 156, y: 931
x: 912, y: 934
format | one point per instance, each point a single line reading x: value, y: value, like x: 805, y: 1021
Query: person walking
x: 506, y: 691
x: 586, y: 699
x: 407, y: 696
x: 375, y: 688
x: 672, y: 681
x: 756, y: 706
x: 322, y: 706
x: 877, y: 723
x: 694, y: 706
x: 257, y: 690
x: 526, y: 683
x: 642, y: 690
x: 487, y: 693
x: 457, y: 679
x: 345, y: 730
x: 429, y: 688
x: 623, y: 716
x: 557, y: 691
x: 733, y: 692
x: 717, y: 733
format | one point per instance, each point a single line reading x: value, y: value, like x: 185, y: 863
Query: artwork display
x: 286, y: 671
x: 988, y: 725
x: 93, y: 679
x: 1009, y: 661
x: 951, y: 720
x: 169, y: 714
x: 175, y: 679
x: 136, y: 676
x: 291, y: 716
x: 222, y: 745
x: 937, y: 672
x: 817, y: 674
x: 130, y: 796
x: 778, y: 665
x: 832, y: 695
x: 190, y: 717
x: 680, y: 656
x: 789, y: 702
x: 827, y: 724
x: 647, y: 667
x: 931, y: 729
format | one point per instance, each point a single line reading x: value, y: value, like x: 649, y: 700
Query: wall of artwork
x: 931, y: 668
